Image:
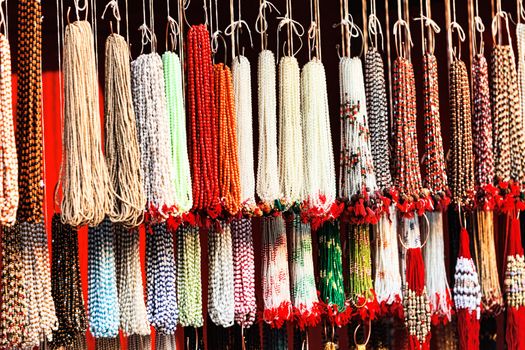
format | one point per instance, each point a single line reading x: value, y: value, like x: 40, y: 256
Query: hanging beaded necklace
x: 133, y: 314
x: 102, y: 282
x: 189, y: 288
x: 161, y: 272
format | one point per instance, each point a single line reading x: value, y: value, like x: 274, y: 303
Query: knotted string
x: 113, y: 4
x: 296, y: 29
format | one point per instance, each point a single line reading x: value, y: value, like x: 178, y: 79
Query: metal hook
x: 361, y: 346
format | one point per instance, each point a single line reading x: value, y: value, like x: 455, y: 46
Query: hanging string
x: 133, y: 314
x: 261, y: 24
x: 103, y: 305
x: 275, y: 274
x: 122, y: 148
x: 291, y: 159
x: 189, y: 288
x: 294, y: 28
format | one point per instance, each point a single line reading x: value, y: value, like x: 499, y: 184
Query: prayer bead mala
x: 103, y: 305
x: 86, y: 185
x: 161, y: 273
x: 520, y: 38
x: 122, y: 148
x: 267, y: 170
x: 29, y: 111
x: 361, y: 288
x: 9, y: 174
x: 291, y: 153
x: 189, y: 288
x: 229, y: 181
x: 508, y: 124
x: 242, y: 84
x: 378, y: 118
x: 407, y: 175
x: 302, y: 277
x: 482, y: 123
x: 66, y: 285
x: 177, y: 117
x: 203, y: 124
x: 275, y: 273
x: 461, y: 164
x: 244, y: 272
x: 149, y: 101
x: 319, y: 168
x: 221, y: 298
x: 14, y: 308
x: 356, y: 164
x: 133, y: 314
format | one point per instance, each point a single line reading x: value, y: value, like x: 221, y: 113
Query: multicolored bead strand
x: 103, y: 305
x: 189, y: 288
x: 161, y: 274
x: 244, y: 272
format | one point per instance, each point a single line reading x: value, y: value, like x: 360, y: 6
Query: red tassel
x: 515, y: 334
x: 468, y: 329
x: 464, y: 244
x: 415, y: 270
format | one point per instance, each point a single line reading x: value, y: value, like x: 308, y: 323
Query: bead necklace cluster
x: 122, y: 148
x: 515, y: 271
x: 9, y: 173
x: 203, y: 137
x: 29, y: 111
x: 161, y: 274
x: 319, y: 168
x: 291, y: 154
x: 177, y: 119
x: 482, y: 123
x: 360, y: 280
x: 189, y: 288
x: 14, y: 308
x: 302, y: 276
x: 435, y: 178
x: 267, y: 179
x: 229, y: 181
x: 461, y: 166
x: 103, y: 305
x: 244, y: 272
x: 275, y: 273
x: 356, y: 163
x: 520, y: 38
x: 221, y: 298
x: 508, y: 124
x: 378, y: 118
x: 133, y: 314
x: 66, y: 285
x: 153, y: 128
x: 242, y: 84
x: 407, y: 175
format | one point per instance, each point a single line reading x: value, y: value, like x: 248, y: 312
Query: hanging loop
x: 215, y: 36
x: 480, y: 29
x: 172, y: 33
x: 79, y: 8
x: 3, y: 21
x: 236, y: 26
x: 312, y: 37
x: 296, y: 29
x: 113, y: 4
x: 146, y: 36
x: 500, y: 15
x: 353, y: 30
x: 363, y: 345
x: 261, y: 24
x: 375, y: 30
x: 401, y: 27
x: 456, y: 28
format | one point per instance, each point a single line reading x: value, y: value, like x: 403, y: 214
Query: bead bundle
x: 103, y: 305
x: 221, y: 298
x: 461, y: 166
x: 9, y: 175
x: 508, y: 124
x: 14, y: 308
x: 189, y: 288
x: 229, y: 181
x: 149, y: 101
x: 203, y: 124
x: 356, y: 163
x: 275, y: 274
x: 177, y: 119
x: 37, y: 279
x: 467, y: 295
x: 378, y: 118
x: 243, y: 272
x: 139, y: 342
x: 86, y: 185
x: 29, y: 110
x: 407, y: 175
x: 242, y: 85
x: 165, y: 342
x: 133, y: 314
x: 319, y: 168
x: 302, y: 278
x: 122, y: 148
x: 267, y: 179
x: 66, y: 286
x: 161, y: 273
x: 361, y: 288
x: 520, y: 38
x: 291, y: 153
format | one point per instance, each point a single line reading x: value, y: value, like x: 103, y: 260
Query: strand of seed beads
x: 103, y: 306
